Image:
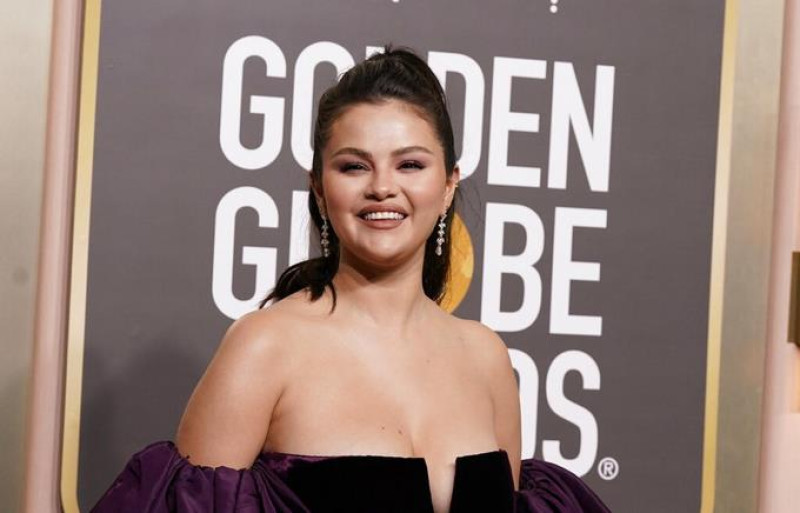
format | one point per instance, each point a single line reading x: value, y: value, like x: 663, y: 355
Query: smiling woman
x: 383, y: 203
x: 383, y: 136
x: 354, y: 390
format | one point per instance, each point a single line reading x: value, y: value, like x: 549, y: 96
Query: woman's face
x: 384, y: 183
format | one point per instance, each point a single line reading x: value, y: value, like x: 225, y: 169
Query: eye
x: 412, y: 164
x: 351, y: 166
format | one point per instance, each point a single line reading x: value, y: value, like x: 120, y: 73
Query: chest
x: 383, y: 400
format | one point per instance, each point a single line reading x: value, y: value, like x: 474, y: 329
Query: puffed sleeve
x: 548, y: 488
x: 158, y: 479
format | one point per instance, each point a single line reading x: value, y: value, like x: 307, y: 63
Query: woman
x: 354, y: 391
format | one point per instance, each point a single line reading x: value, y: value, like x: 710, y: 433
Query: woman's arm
x: 227, y: 417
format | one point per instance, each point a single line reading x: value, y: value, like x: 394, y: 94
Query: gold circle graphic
x: 462, y: 265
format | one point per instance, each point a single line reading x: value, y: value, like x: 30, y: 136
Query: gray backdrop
x: 160, y: 174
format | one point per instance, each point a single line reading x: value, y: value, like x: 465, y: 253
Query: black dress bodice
x: 389, y: 484
x: 158, y: 479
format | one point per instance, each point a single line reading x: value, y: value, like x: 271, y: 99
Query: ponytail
x: 396, y: 73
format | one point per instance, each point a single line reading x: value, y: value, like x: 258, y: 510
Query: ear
x: 450, y: 187
x: 316, y: 189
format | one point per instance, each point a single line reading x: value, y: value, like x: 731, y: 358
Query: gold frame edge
x: 90, y: 46
x: 718, y: 255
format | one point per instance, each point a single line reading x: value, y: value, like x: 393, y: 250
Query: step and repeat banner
x: 587, y: 135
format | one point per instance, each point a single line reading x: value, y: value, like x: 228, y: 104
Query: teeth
x: 372, y: 216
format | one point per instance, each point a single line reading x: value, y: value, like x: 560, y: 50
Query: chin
x: 381, y: 257
x: 384, y: 259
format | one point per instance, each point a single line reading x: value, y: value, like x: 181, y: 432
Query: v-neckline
x: 421, y: 459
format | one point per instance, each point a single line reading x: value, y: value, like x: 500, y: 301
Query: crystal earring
x: 324, y: 242
x: 440, y: 238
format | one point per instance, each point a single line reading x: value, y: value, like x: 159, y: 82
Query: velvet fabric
x: 158, y: 479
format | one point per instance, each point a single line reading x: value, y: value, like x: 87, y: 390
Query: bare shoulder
x: 490, y: 355
x: 485, y: 346
x: 264, y: 333
x: 227, y: 417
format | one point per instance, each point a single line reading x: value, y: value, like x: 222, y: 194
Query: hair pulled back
x: 396, y: 73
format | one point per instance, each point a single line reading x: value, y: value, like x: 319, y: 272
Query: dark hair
x: 396, y: 73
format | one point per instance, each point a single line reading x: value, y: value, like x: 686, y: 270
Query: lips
x: 383, y: 213
x: 383, y: 220
x: 377, y: 216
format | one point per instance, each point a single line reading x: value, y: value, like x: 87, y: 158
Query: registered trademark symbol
x: 608, y: 468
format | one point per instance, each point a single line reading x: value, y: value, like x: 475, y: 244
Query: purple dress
x: 158, y: 479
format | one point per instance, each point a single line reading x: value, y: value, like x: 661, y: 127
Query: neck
x: 390, y: 299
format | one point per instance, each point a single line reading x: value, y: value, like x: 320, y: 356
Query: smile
x: 375, y: 216
x: 383, y: 220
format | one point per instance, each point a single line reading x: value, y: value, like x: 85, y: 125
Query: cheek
x: 427, y: 194
x: 338, y: 194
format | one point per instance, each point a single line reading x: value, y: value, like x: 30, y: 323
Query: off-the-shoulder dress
x: 158, y: 479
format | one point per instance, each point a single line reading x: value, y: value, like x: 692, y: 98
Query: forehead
x: 387, y: 124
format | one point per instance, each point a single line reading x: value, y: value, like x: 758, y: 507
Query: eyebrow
x: 367, y: 155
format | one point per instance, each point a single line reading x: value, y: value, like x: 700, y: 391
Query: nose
x: 382, y: 183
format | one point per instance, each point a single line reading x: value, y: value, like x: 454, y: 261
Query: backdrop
x: 587, y: 137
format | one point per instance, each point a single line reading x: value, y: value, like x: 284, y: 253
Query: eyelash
x: 350, y: 165
x: 414, y: 163
x: 356, y: 165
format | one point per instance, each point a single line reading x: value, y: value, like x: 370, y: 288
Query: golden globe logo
x: 569, y: 121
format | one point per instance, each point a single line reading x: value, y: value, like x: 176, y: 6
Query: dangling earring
x: 440, y: 238
x: 324, y: 242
